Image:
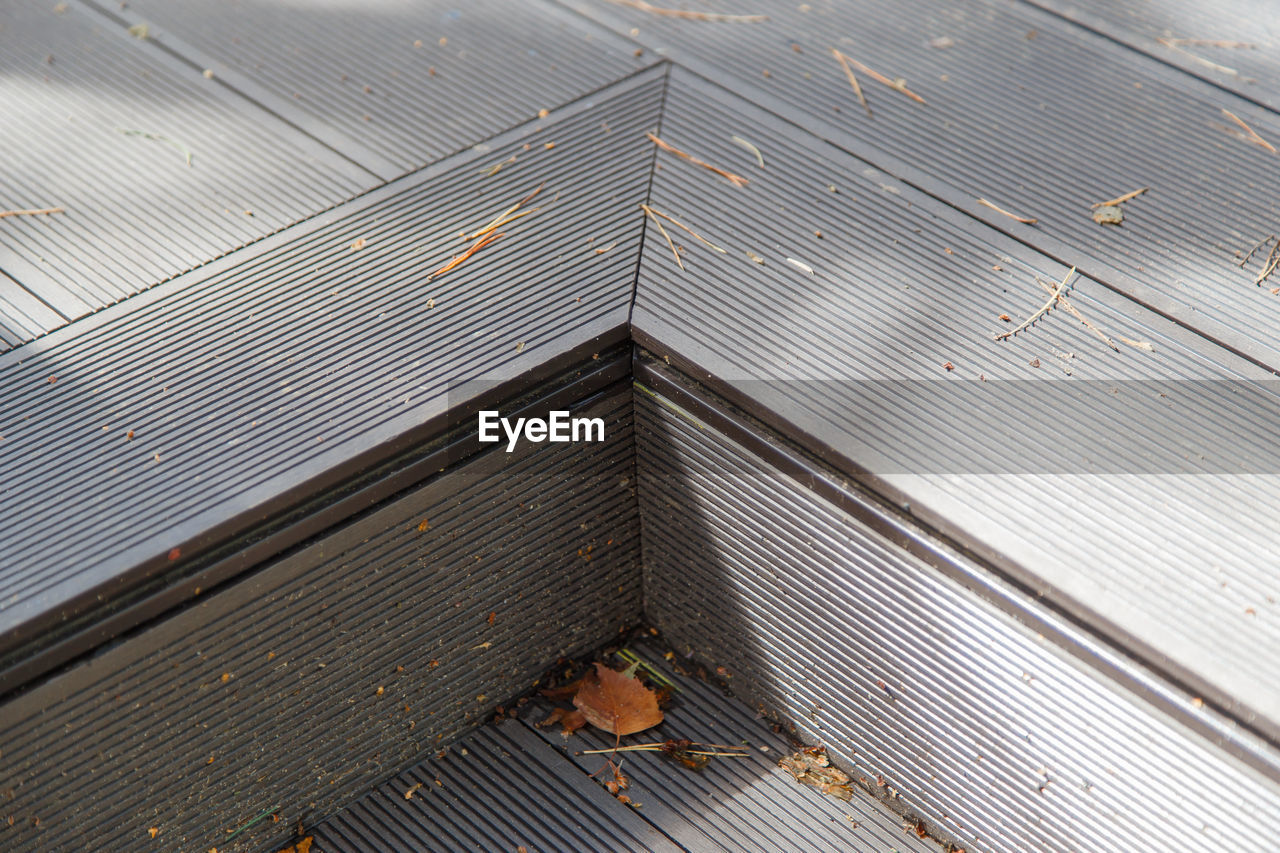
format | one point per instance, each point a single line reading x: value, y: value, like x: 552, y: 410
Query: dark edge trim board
x: 335, y: 495
x: 825, y: 474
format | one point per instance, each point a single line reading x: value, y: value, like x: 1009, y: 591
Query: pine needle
x: 506, y: 216
x: 44, y: 211
x: 1195, y: 57
x: 897, y: 85
x: 998, y: 209
x: 1036, y: 316
x: 679, y: 224
x: 649, y: 212
x: 691, y: 16
x: 853, y: 81
x: 1253, y: 137
x: 736, y: 180
x: 1232, y: 45
x: 1119, y: 199
x: 471, y: 250
x: 754, y: 150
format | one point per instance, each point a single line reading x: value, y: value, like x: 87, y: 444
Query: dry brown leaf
x: 303, y: 846
x: 617, y: 703
x: 571, y: 722
x: 564, y: 692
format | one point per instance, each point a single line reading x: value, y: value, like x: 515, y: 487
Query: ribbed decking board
x: 732, y: 804
x: 135, y: 212
x: 1165, y: 563
x: 1246, y: 63
x: 202, y: 402
x: 512, y: 784
x: 324, y: 673
x: 500, y: 788
x: 982, y: 725
x: 394, y: 84
x: 1043, y: 127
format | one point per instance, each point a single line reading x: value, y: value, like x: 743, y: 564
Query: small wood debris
x: 853, y: 80
x: 899, y: 84
x: 811, y: 767
x: 140, y: 31
x: 801, y: 265
x: 417, y: 786
x: 1061, y: 288
x: 691, y: 16
x: 1108, y: 216
x: 947, y: 366
x: 1120, y: 199
x: 359, y: 244
x: 998, y: 209
x: 607, y: 248
x: 736, y: 180
x: 1252, y: 136
x: 755, y: 258
x: 44, y: 211
x: 738, y: 140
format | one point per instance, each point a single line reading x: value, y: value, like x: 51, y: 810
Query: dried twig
x: 899, y: 85
x: 754, y: 150
x: 1062, y: 300
x: 1269, y: 265
x: 1028, y: 220
x: 691, y: 16
x: 1256, y: 246
x: 1253, y: 136
x: 1036, y: 316
x: 173, y: 143
x: 736, y: 180
x: 1119, y: 199
x: 676, y: 222
x: 649, y: 212
x: 853, y: 80
x: 44, y: 211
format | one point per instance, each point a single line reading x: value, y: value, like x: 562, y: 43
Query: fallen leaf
x: 617, y: 702
x: 565, y: 692
x: 302, y: 846
x: 153, y: 831
x: 571, y: 722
